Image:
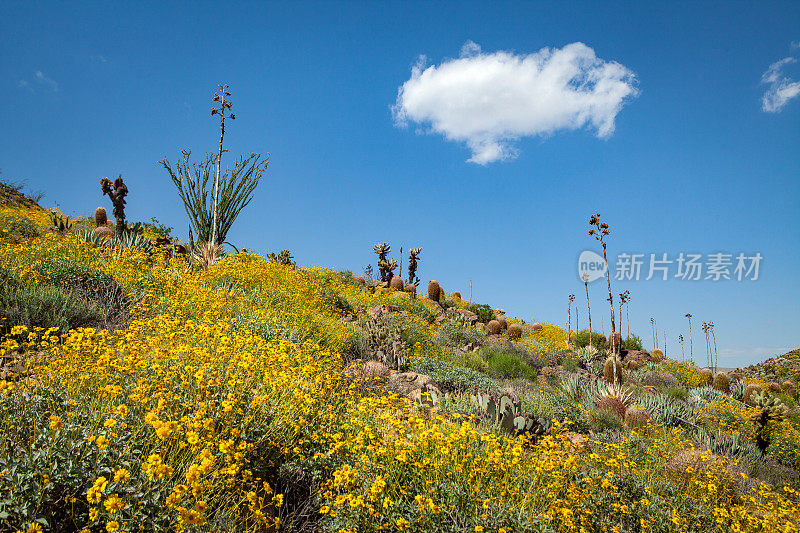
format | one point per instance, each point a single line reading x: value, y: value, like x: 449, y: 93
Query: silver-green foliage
x: 236, y: 187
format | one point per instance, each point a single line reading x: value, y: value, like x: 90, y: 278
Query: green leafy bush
x: 45, y: 306
x: 506, y: 363
x: 451, y: 377
x: 633, y: 342
x: 484, y: 312
x: 582, y: 339
x: 12, y: 226
x: 89, y: 284
x: 459, y: 333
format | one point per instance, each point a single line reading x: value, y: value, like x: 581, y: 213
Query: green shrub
x: 459, y: 333
x: 604, y: 420
x: 45, y: 306
x: 674, y: 392
x: 570, y: 362
x: 451, y: 377
x: 12, y: 226
x: 582, y: 339
x: 484, y: 312
x: 506, y: 363
x: 89, y: 284
x: 633, y: 342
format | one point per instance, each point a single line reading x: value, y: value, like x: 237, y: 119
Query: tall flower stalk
x: 569, y: 314
x: 212, y: 214
x: 585, y: 278
x: 683, y: 353
x: 625, y: 299
x: 691, y: 352
x: 600, y: 231
x: 224, y: 106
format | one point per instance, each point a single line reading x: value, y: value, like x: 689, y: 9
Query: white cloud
x: 780, y: 88
x: 487, y: 100
x: 41, y: 78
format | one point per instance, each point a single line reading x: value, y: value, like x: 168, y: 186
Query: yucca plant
x: 213, y: 212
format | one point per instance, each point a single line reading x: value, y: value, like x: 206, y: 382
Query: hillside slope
x: 141, y: 391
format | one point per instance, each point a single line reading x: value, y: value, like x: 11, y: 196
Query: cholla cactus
x: 60, y: 223
x: 413, y: 258
x: 117, y: 191
x: 771, y: 409
x: 385, y: 265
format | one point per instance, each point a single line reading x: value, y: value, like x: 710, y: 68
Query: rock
x: 468, y: 315
x: 380, y: 311
x: 412, y: 385
x: 578, y: 441
x: 641, y: 357
x: 376, y: 369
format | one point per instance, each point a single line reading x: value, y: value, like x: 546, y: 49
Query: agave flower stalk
x: 683, y: 353
x: 585, y: 278
x: 691, y: 352
x: 625, y: 299
x: 569, y: 314
x: 600, y: 231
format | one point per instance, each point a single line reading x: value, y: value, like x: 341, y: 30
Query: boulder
x: 412, y: 385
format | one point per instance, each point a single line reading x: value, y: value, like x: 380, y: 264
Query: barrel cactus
x: 514, y: 331
x: 617, y: 337
x: 706, y: 376
x: 612, y: 370
x: 503, y: 322
x: 433, y: 290
x: 632, y: 365
x: 100, y: 217
x: 457, y: 295
x: 396, y: 283
x: 494, y: 327
x: 722, y: 382
x: 537, y: 327
x: 775, y: 387
x: 657, y: 355
x: 636, y: 417
x: 411, y: 289
x: 613, y: 405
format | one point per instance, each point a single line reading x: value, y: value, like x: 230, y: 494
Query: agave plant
x: 207, y: 253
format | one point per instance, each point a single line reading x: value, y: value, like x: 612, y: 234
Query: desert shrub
x: 604, y: 419
x: 633, y: 342
x: 570, y: 361
x: 459, y: 333
x: 581, y: 339
x: 45, y: 306
x: 13, y: 226
x: 471, y: 360
x: 451, y: 377
x: 484, y: 312
x: 508, y: 365
x: 654, y: 378
x: 676, y: 392
x: 92, y: 285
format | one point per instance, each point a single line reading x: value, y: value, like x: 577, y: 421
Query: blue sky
x: 695, y: 161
